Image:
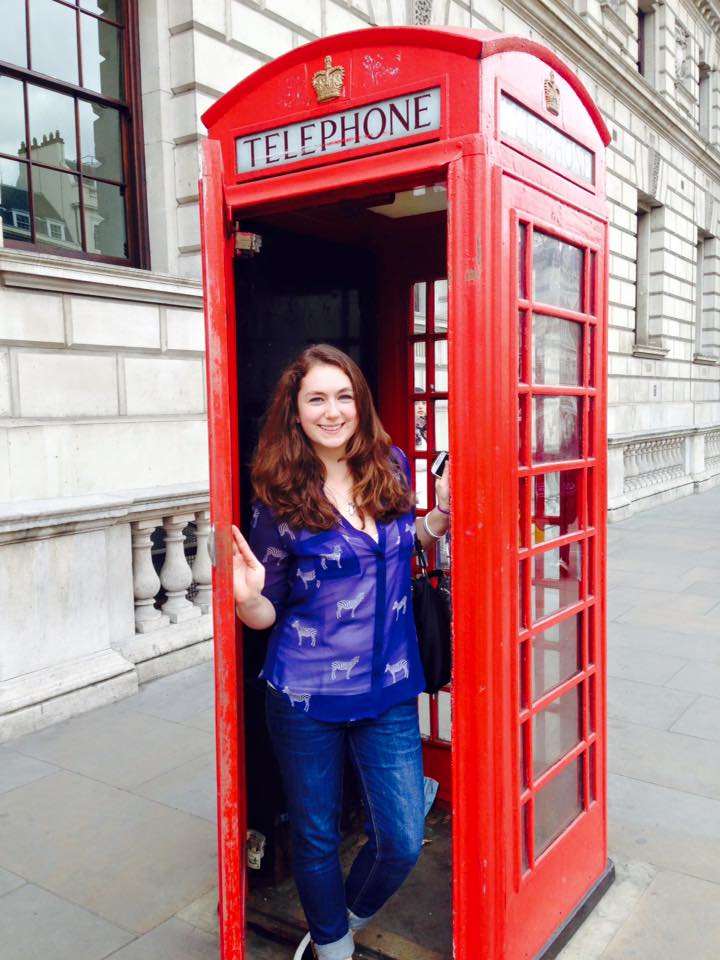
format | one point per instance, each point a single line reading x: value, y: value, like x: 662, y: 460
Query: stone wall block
x: 187, y: 165
x: 210, y: 62
x: 29, y: 317
x: 163, y: 386
x: 339, y: 19
x: 185, y: 329
x: 113, y: 323
x: 262, y: 33
x: 188, y: 226
x: 5, y: 401
x: 307, y: 16
x: 66, y: 385
x: 185, y: 110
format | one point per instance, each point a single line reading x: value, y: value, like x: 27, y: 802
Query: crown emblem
x: 552, y: 95
x: 328, y: 82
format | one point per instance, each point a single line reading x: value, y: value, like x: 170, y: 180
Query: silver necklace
x: 350, y: 507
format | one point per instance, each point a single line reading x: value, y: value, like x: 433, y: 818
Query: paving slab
x: 176, y: 697
x: 117, y: 746
x: 37, y: 925
x: 701, y: 719
x: 17, y: 769
x: 172, y: 940
x: 9, y: 881
x: 665, y: 758
x: 627, y: 663
x: 131, y: 860
x: 699, y: 677
x: 660, y: 640
x: 645, y: 703
x: 204, y: 720
x: 189, y: 787
x: 677, y: 917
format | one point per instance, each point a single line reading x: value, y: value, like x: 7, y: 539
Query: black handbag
x: 433, y: 621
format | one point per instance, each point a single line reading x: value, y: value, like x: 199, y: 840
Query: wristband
x: 435, y: 536
x: 438, y: 507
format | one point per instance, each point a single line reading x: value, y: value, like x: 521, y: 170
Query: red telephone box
x: 433, y: 200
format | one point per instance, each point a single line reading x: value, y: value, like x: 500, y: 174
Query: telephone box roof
x: 473, y: 44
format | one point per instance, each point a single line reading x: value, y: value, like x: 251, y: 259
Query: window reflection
x: 556, y: 655
x: 421, y: 424
x: 556, y: 729
x: 54, y: 40
x: 112, y: 9
x: 442, y: 441
x: 557, y: 272
x: 555, y: 504
x: 556, y: 579
x: 100, y: 147
x: 557, y: 805
x: 441, y: 306
x: 12, y: 117
x: 557, y: 351
x: 419, y: 366
x: 101, y: 56
x: 421, y: 484
x: 419, y: 308
x: 52, y: 128
x: 556, y: 429
x: 56, y: 202
x: 441, y: 366
x: 13, y: 43
x: 104, y: 208
x: 14, y: 204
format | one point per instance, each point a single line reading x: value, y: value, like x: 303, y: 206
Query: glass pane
x: 424, y: 712
x: 524, y: 778
x: 100, y: 147
x: 112, y: 9
x: 102, y: 57
x: 522, y: 513
x: 591, y: 331
x: 522, y: 446
x: 556, y: 579
x: 105, y: 219
x: 557, y: 272
x: 419, y: 362
x: 444, y: 723
x: 522, y: 341
x: 421, y: 425
x: 557, y: 351
x: 421, y: 475
x: 555, y: 504
x: 442, y: 441
x: 57, y: 208
x: 593, y: 773
x: 525, y: 838
x: 556, y: 655
x: 13, y: 36
x: 522, y: 241
x: 593, y: 281
x: 14, y: 203
x: 591, y: 705
x: 419, y: 308
x: 441, y: 306
x: 522, y: 678
x: 12, y: 117
x: 556, y: 426
x: 556, y: 729
x: 557, y: 805
x: 441, y: 366
x: 53, y: 30
x: 522, y: 614
x: 52, y: 128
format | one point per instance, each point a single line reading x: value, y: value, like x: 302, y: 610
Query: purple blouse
x: 343, y: 646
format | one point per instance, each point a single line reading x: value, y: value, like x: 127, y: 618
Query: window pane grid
x: 80, y: 155
x: 556, y: 378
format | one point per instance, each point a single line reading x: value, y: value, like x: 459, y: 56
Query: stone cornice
x: 709, y: 10
x: 34, y: 271
x: 567, y: 32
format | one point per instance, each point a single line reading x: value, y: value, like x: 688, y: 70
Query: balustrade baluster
x: 146, y: 582
x: 201, y: 568
x: 176, y: 575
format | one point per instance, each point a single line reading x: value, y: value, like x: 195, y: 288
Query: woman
x: 328, y: 568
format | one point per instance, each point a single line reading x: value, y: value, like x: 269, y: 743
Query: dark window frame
x: 131, y: 139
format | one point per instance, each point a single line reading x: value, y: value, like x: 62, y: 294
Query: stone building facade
x: 103, y: 444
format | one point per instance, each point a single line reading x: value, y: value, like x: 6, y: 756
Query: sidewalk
x: 107, y: 821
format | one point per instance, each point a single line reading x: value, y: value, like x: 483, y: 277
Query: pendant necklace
x: 349, y: 504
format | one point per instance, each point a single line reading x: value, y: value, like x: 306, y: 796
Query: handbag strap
x: 421, y: 556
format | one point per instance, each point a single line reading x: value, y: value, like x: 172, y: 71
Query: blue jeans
x: 387, y: 757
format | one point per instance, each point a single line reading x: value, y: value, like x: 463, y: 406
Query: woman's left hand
x: 442, y: 489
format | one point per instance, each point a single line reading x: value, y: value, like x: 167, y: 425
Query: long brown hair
x: 287, y: 474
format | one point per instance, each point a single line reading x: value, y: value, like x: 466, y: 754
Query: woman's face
x: 326, y: 408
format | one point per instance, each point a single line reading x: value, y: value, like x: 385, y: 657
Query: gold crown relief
x: 328, y: 82
x: 552, y: 95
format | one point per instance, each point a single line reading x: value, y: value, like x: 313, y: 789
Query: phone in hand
x: 439, y: 463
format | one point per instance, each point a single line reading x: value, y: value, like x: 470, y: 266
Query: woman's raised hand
x: 248, y: 572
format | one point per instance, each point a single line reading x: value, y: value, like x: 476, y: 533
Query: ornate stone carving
x: 682, y: 53
x: 422, y: 12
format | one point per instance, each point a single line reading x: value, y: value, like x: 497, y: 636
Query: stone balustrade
x: 645, y: 470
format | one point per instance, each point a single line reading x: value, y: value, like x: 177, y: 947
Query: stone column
x: 201, y: 568
x: 176, y: 575
x: 146, y: 582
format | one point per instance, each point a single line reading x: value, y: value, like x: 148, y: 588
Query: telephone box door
x: 553, y: 280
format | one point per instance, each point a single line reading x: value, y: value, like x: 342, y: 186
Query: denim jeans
x: 386, y: 754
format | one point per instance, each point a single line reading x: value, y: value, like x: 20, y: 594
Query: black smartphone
x: 439, y: 463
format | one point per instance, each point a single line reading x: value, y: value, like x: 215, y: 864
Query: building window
x: 648, y: 339
x: 707, y: 325
x: 69, y: 157
x: 646, y: 39
x: 704, y: 74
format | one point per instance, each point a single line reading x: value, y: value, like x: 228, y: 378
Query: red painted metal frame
x: 498, y: 912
